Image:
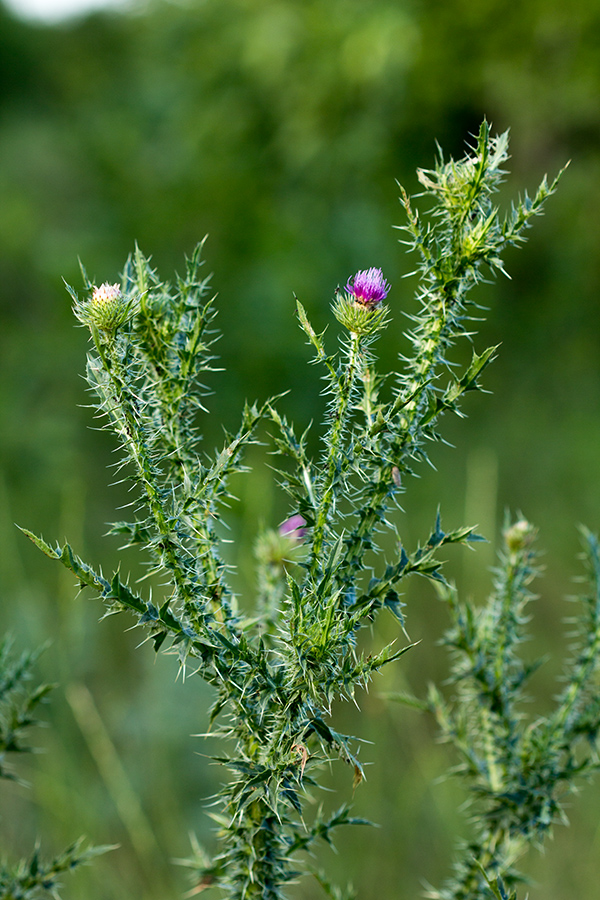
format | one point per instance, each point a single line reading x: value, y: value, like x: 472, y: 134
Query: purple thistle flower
x: 294, y: 527
x: 368, y: 288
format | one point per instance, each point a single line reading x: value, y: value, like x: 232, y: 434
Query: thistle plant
x: 518, y: 768
x: 321, y: 577
x: 33, y: 877
x: 18, y: 703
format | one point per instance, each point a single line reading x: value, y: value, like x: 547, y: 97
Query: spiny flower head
x: 368, y: 287
x: 276, y: 547
x: 107, y: 309
x: 360, y: 309
x: 106, y: 303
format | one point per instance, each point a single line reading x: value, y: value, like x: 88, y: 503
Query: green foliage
x: 517, y: 767
x: 18, y: 702
x: 32, y: 878
x: 278, y: 669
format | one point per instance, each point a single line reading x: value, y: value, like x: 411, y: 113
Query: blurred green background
x: 279, y: 128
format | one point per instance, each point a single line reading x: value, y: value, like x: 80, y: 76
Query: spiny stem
x: 145, y: 468
x: 335, y: 461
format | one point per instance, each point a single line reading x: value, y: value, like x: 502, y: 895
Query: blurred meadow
x: 279, y: 128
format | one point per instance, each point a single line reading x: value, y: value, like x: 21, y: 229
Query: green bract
x: 357, y: 318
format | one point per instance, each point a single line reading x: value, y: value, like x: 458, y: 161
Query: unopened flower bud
x: 107, y: 309
x: 519, y: 535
